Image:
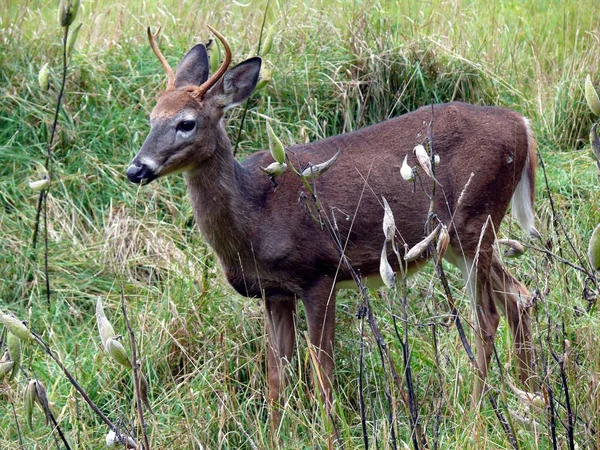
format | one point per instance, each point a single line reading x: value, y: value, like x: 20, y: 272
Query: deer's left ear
x: 238, y: 83
x: 193, y: 68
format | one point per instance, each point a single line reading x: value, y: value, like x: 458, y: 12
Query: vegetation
x: 336, y: 66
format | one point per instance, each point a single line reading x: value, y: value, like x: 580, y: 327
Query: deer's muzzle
x: 140, y: 173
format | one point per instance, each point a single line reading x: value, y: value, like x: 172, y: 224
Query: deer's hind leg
x: 512, y: 298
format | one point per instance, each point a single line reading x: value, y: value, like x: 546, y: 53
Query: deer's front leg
x: 281, y: 330
x: 320, y: 316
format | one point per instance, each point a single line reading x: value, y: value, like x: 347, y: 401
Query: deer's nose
x: 140, y: 173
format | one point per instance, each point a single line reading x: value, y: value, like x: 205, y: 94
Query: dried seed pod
x: 72, y: 39
x: 15, y: 326
x: 315, y: 170
x: 105, y: 328
x: 43, y: 78
x: 389, y: 225
x: 274, y: 169
x: 275, y: 145
x: 29, y: 400
x: 591, y: 96
x: 594, y: 248
x: 423, y: 160
x: 406, y: 171
x: 144, y: 391
x: 421, y: 247
x: 442, y: 243
x: 515, y: 248
x: 117, y: 352
x: 530, y: 398
x: 595, y: 142
x: 14, y: 350
x: 385, y: 269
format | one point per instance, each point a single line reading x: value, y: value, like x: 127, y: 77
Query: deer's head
x: 185, y: 121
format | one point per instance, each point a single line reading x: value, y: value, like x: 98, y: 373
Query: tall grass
x: 337, y: 66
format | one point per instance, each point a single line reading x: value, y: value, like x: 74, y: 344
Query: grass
x: 337, y: 65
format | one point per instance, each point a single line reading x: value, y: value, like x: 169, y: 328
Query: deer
x: 270, y: 247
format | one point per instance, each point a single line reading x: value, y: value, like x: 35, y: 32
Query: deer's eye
x: 186, y: 125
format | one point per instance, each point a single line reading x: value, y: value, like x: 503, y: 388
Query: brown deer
x: 270, y: 246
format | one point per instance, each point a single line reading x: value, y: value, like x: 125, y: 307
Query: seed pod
x: 16, y: 327
x: 594, y: 248
x: 144, y: 391
x: 41, y: 398
x: 389, y: 224
x: 274, y: 169
x: 39, y: 185
x: 105, y: 329
x: 515, y: 248
x: 117, y: 352
x: 214, y: 56
x: 591, y: 96
x: 67, y: 12
x: 442, y: 243
x: 29, y: 399
x: 268, y: 43
x: 277, y: 149
x: 421, y: 247
x: 71, y: 40
x: 595, y: 142
x: 14, y: 350
x: 423, y: 159
x: 265, y: 78
x: 316, y: 170
x: 406, y: 171
x: 43, y: 78
x: 385, y: 269
x: 6, y: 366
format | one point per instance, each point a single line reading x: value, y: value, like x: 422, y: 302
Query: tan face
x: 181, y: 137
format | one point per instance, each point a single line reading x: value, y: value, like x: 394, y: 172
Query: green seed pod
x: 117, y: 352
x: 105, y: 329
x: 71, y: 40
x: 591, y: 96
x: 265, y: 78
x: 268, y: 42
x: 43, y: 78
x: 594, y: 248
x: 215, y: 56
x: 29, y: 399
x: 277, y: 149
x: 16, y: 327
x: 67, y: 12
x: 6, y: 366
x: 14, y: 350
x: 315, y: 170
x: 274, y: 169
x: 595, y: 142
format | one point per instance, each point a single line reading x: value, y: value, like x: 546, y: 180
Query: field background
x: 337, y: 66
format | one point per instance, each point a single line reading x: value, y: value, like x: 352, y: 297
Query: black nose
x: 139, y: 173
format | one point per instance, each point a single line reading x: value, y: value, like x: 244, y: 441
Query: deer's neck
x: 218, y: 192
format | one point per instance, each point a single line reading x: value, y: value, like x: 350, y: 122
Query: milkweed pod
x: 595, y: 141
x: 105, y: 328
x: 515, y: 248
x: 6, y: 366
x: 405, y: 170
x: 423, y: 159
x: 389, y: 225
x: 16, y: 327
x: 29, y: 400
x: 385, y: 269
x: 591, y: 96
x: 442, y: 243
x: 421, y: 246
x: 72, y: 39
x: 265, y: 78
x: 268, y: 43
x: 67, y: 12
x: 275, y: 145
x: 144, y: 391
x: 43, y: 78
x: 39, y: 185
x: 117, y: 352
x: 315, y: 170
x: 274, y: 169
x: 14, y: 350
x: 594, y: 248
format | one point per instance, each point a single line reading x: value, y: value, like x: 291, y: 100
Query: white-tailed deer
x: 270, y: 246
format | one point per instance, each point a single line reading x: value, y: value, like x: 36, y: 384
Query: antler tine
x: 204, y: 87
x: 161, y: 58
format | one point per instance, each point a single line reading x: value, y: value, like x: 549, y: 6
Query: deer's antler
x: 204, y: 87
x: 161, y: 58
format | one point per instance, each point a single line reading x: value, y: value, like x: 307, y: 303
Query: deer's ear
x: 238, y: 83
x: 193, y: 68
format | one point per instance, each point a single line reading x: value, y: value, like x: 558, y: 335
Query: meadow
x: 336, y: 65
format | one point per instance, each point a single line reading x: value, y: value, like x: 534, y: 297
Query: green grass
x: 337, y: 66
